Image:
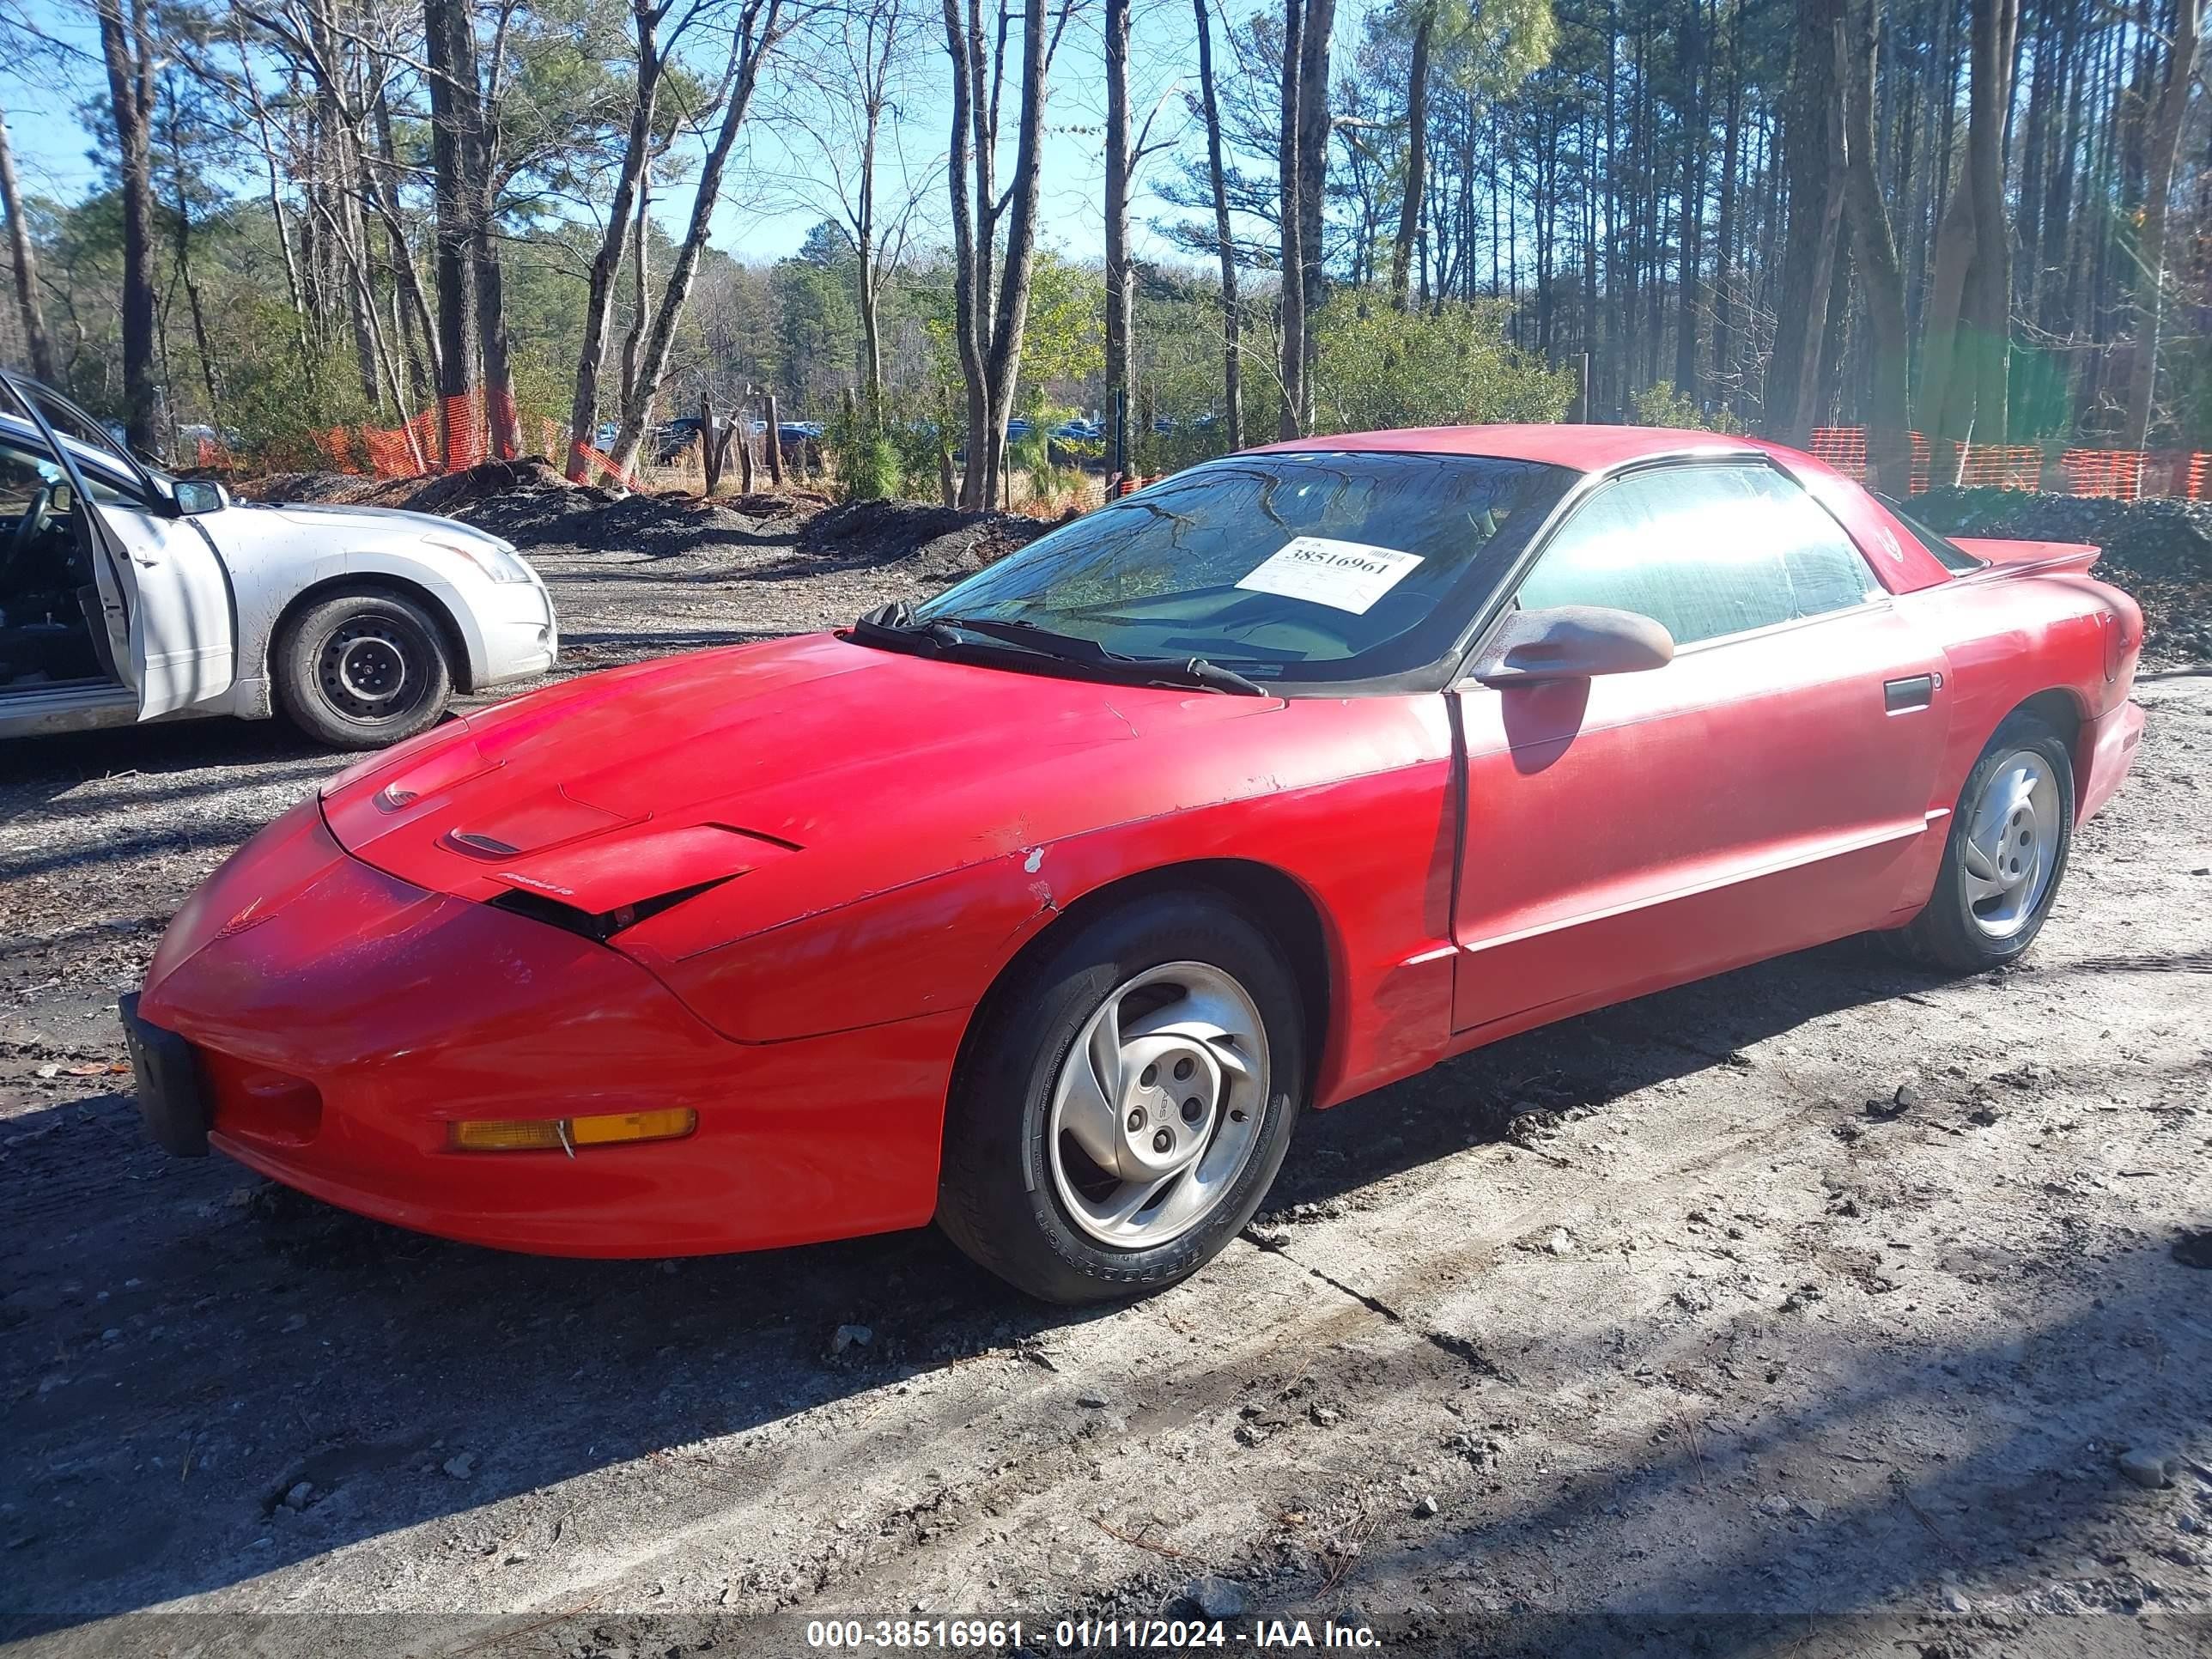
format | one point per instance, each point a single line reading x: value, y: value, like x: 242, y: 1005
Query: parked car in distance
x: 127, y: 595
x: 672, y: 438
x: 1046, y: 908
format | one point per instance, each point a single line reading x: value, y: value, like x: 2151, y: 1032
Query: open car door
x: 123, y: 537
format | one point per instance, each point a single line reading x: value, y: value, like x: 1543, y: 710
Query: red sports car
x: 1045, y: 907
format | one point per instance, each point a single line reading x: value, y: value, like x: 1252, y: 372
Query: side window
x: 20, y: 475
x: 1703, y: 551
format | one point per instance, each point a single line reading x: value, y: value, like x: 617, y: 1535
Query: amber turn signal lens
x: 510, y: 1135
x: 664, y: 1125
x: 554, y: 1134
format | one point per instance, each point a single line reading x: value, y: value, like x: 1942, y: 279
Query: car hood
x: 848, y: 769
x: 285, y: 520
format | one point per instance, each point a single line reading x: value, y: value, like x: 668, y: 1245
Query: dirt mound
x: 454, y: 491
x: 531, y: 505
x: 2166, y: 539
x: 934, y: 541
x: 2159, y: 550
x: 305, y: 487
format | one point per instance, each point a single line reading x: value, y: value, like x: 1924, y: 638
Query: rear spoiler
x: 2012, y: 558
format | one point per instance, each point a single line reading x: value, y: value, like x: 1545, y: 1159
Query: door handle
x: 1903, y: 697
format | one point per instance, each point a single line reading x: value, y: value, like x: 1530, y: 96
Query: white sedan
x: 128, y: 595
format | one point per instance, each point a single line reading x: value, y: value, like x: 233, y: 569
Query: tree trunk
x: 1690, y: 234
x: 1290, y: 370
x: 1889, y: 443
x: 1119, y: 296
x: 1808, y: 127
x: 24, y: 261
x: 128, y: 52
x: 1232, y: 389
x: 2150, y: 239
x: 1313, y: 175
x: 971, y: 243
x: 607, y: 264
x: 1726, y: 230
x: 1416, y: 154
x: 442, y: 20
x: 756, y: 36
x: 478, y: 137
x: 1966, y: 342
x: 1011, y: 321
x: 384, y: 190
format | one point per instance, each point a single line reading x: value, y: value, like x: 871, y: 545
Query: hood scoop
x: 615, y: 871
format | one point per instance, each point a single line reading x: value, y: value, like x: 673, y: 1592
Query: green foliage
x: 1452, y: 366
x: 1066, y: 340
x: 868, y: 468
x: 1660, y: 404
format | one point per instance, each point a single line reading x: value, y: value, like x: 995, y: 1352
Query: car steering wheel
x: 33, y: 525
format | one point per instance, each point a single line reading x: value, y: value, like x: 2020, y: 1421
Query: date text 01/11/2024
x: 1103, y: 1635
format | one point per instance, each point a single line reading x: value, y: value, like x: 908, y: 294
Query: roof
x: 1585, y: 448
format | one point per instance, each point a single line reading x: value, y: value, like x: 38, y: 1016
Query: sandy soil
x: 1668, y: 1330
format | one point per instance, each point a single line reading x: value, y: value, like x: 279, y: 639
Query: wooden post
x: 711, y: 450
x: 774, y: 445
x: 1582, y: 388
x: 945, y: 445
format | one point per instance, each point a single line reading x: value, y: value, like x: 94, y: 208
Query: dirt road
x: 1647, y: 1333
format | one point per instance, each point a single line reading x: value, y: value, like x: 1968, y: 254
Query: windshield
x: 1280, y: 567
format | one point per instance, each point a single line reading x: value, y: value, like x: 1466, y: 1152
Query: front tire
x: 362, y: 671
x: 1122, y: 1107
x: 2005, y: 856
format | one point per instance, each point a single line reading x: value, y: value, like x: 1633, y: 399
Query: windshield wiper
x: 897, y: 621
x: 1073, y: 647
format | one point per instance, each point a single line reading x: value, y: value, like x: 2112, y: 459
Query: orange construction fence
x: 2125, y: 474
x: 452, y: 435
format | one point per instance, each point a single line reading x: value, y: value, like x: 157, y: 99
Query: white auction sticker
x: 1344, y: 575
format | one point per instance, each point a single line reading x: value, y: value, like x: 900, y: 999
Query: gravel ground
x: 1822, y: 1308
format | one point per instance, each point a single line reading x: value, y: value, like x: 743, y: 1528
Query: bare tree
x: 759, y: 25
x: 652, y: 57
x: 864, y: 179
x: 991, y: 300
x: 2158, y: 191
x: 23, y: 259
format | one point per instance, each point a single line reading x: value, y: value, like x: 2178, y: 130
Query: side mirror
x: 197, y: 495
x: 1572, y: 642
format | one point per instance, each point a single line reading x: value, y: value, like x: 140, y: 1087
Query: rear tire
x: 362, y: 671
x: 1184, y: 1015
x: 2005, y: 854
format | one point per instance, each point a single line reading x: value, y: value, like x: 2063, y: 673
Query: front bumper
x: 338, y: 1019
x: 518, y: 632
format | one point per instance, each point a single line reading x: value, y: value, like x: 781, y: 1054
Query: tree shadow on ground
x: 276, y: 1341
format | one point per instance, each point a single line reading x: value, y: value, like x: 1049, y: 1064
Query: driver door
x: 164, y: 599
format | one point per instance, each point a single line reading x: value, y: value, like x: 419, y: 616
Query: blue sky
x: 757, y: 220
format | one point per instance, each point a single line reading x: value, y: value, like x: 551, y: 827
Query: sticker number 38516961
x: 1344, y: 575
